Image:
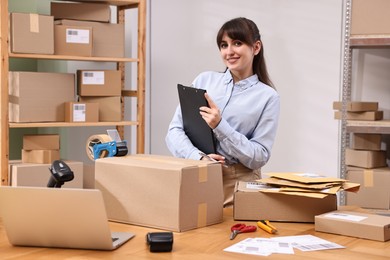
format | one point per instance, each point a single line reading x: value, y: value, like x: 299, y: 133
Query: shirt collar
x: 245, y: 83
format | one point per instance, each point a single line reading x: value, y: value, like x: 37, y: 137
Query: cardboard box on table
x: 160, y: 191
x: 355, y: 224
x: 374, y: 192
x: 252, y: 204
x: 38, y: 175
x: 32, y: 33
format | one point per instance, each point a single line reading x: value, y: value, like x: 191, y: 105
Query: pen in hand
x: 208, y: 157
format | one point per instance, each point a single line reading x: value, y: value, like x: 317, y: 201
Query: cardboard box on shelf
x: 40, y: 156
x: 161, y: 191
x: 110, y: 109
x: 252, y: 204
x: 73, y: 40
x: 355, y: 224
x: 108, y: 38
x: 365, y: 116
x: 99, y: 82
x: 38, y: 175
x: 366, y: 141
x: 32, y: 33
x: 370, y: 17
x: 39, y: 96
x: 374, y: 190
x: 41, y: 142
x: 365, y: 158
x: 81, y: 112
x: 357, y: 106
x: 81, y: 11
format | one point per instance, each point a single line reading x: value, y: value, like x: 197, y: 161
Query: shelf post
x: 4, y: 131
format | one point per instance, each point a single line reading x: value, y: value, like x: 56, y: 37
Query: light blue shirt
x: 250, y: 113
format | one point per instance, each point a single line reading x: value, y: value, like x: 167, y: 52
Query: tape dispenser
x: 100, y: 146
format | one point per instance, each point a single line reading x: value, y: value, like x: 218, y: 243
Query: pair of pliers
x: 265, y: 225
x: 241, y: 228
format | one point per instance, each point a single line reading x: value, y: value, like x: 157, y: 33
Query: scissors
x: 241, y: 228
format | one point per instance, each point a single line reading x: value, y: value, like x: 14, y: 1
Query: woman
x: 243, y: 112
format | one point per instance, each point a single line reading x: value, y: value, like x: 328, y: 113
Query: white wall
x: 303, y: 43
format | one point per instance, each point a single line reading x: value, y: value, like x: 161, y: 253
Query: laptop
x: 197, y: 130
x: 53, y: 217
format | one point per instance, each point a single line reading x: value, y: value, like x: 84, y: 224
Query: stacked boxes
x: 40, y: 148
x: 366, y: 161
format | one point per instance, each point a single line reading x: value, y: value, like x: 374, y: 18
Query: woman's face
x: 238, y: 56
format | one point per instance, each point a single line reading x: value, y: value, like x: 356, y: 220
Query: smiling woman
x: 243, y: 108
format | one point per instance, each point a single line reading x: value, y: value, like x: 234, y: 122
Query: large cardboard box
x: 99, y: 82
x: 108, y: 38
x: 364, y: 158
x: 40, y: 156
x: 374, y: 189
x: 252, y: 204
x: 39, y: 96
x: 370, y: 17
x: 81, y: 11
x: 110, y: 108
x: 41, y: 142
x: 366, y: 142
x: 38, y: 175
x: 160, y: 191
x: 81, y: 112
x: 357, y: 106
x: 355, y: 224
x: 32, y: 33
x: 73, y: 40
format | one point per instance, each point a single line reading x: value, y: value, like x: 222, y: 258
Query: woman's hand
x: 211, y: 114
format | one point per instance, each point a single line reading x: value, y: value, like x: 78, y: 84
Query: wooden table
x: 205, y: 243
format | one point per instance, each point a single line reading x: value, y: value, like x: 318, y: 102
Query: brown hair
x: 246, y: 31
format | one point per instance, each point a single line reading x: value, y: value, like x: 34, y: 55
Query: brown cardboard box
x: 41, y: 142
x: 354, y: 224
x: 40, y: 156
x: 110, y: 109
x: 365, y: 116
x: 356, y: 106
x: 73, y: 40
x: 81, y: 112
x: 252, y: 204
x: 366, y: 142
x: 99, y: 82
x: 374, y: 190
x: 108, y: 38
x: 38, y: 175
x: 81, y: 11
x: 32, y: 33
x: 161, y: 191
x: 370, y: 17
x: 365, y: 159
x: 39, y: 96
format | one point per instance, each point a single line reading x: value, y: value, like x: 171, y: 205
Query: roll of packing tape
x: 96, y: 139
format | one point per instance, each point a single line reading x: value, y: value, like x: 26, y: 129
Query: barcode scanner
x: 60, y: 173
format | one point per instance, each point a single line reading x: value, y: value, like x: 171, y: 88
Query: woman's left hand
x: 211, y: 114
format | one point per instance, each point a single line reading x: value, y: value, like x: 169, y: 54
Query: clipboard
x: 197, y: 130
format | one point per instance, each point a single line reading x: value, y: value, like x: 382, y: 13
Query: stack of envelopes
x: 306, y: 184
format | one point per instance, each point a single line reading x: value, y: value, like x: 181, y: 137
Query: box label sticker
x: 77, y: 36
x: 93, y: 78
x: 344, y: 216
x: 256, y: 186
x: 79, y: 112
